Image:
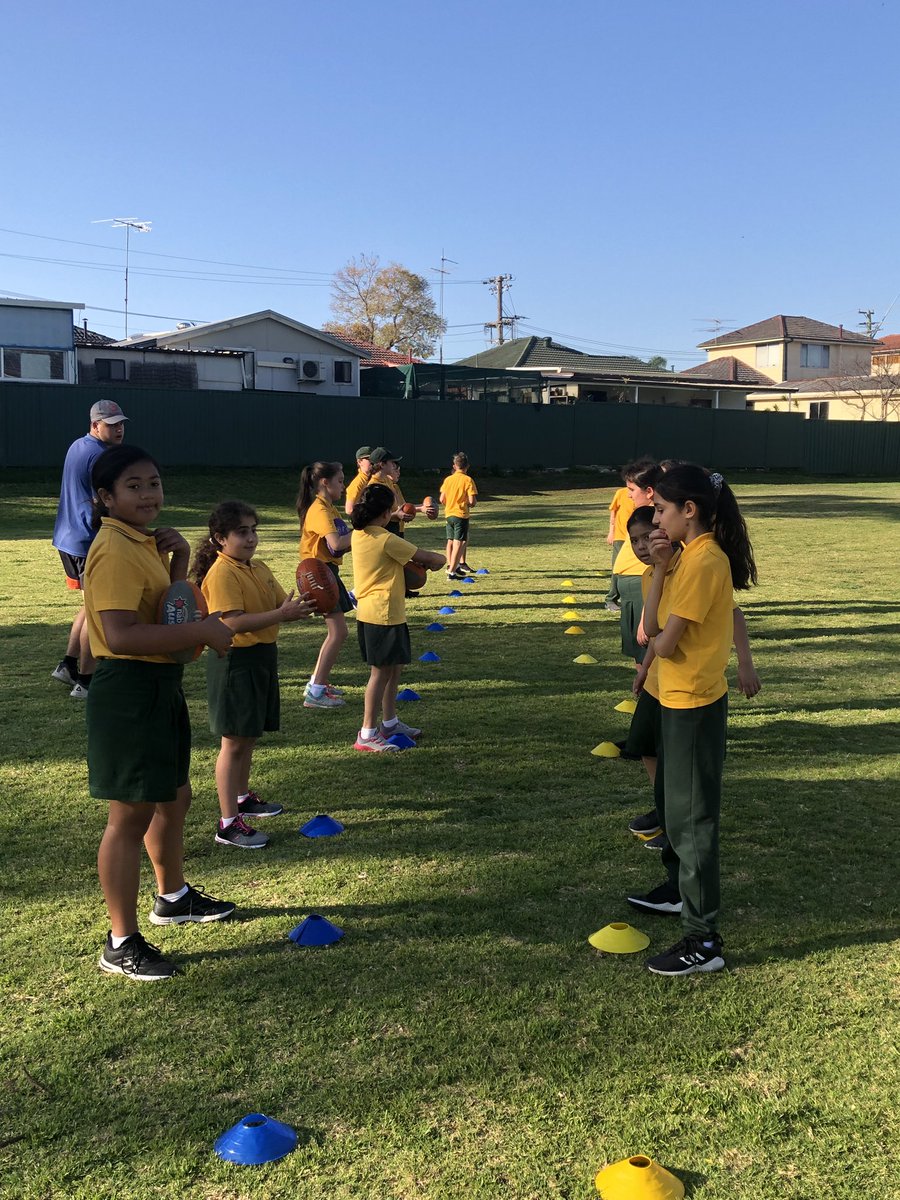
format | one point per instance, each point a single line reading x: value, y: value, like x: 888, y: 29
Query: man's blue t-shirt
x: 72, y: 532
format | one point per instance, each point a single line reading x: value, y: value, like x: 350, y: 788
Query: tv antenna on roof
x: 126, y: 223
x: 442, y: 271
x: 714, y: 324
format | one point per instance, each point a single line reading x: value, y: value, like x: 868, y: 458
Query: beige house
x: 874, y: 397
x: 795, y: 349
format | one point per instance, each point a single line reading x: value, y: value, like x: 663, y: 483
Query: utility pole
x: 868, y: 323
x: 498, y: 284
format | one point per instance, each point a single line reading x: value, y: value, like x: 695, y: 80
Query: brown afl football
x: 409, y: 510
x: 415, y: 576
x: 317, y: 584
x: 430, y: 507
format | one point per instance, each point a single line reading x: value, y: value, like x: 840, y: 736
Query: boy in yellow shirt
x: 458, y: 496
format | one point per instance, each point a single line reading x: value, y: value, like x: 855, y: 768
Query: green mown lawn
x: 463, y: 1040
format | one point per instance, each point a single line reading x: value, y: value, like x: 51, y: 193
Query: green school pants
x: 688, y: 795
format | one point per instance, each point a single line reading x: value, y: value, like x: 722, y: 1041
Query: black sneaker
x: 137, y: 959
x: 194, y: 905
x: 647, y: 824
x: 242, y: 835
x: 664, y: 899
x: 690, y: 955
x: 254, y: 807
x: 660, y: 842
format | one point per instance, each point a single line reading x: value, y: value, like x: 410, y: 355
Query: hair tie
x: 717, y: 480
x: 212, y: 541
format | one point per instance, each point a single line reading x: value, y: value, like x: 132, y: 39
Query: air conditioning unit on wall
x: 310, y: 370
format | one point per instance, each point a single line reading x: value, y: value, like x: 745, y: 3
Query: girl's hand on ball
x: 293, y: 609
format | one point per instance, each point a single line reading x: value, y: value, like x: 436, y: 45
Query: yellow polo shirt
x: 124, y: 571
x: 627, y: 562
x: 621, y: 506
x: 651, y: 683
x: 380, y: 477
x: 700, y: 590
x: 317, y: 525
x: 459, y: 491
x: 232, y: 586
x: 378, y: 561
x: 356, y: 486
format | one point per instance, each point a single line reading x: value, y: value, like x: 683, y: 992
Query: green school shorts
x: 457, y: 529
x: 384, y: 645
x: 631, y: 604
x: 645, y: 730
x: 138, y: 731
x: 242, y: 691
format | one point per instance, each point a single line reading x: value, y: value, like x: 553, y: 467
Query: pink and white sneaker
x: 376, y: 744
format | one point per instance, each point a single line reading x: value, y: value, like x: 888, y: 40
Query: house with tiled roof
x: 794, y: 349
x: 375, y: 356
x: 570, y: 375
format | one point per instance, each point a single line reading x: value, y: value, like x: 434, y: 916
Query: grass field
x: 463, y: 1041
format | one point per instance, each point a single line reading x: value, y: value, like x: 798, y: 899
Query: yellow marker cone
x: 627, y: 706
x: 571, y: 615
x: 619, y: 938
x: 638, y: 1178
x: 569, y: 600
x: 585, y: 659
x: 568, y: 583
x: 606, y: 750
x: 574, y: 630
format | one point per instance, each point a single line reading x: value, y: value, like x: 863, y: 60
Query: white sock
x: 367, y: 734
x: 182, y: 891
x: 226, y: 821
x: 316, y: 689
x: 243, y: 796
x: 116, y: 942
x: 394, y: 721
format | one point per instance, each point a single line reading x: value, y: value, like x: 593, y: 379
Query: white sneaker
x: 62, y: 674
x: 401, y: 727
x: 326, y: 700
x: 376, y: 744
x: 79, y: 692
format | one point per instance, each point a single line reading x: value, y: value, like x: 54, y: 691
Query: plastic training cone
x: 254, y: 1140
x: 574, y: 630
x: 638, y: 1178
x: 408, y: 694
x: 402, y: 742
x: 315, y: 931
x: 468, y: 579
x: 435, y: 627
x: 606, y: 750
x: 619, y: 938
x: 322, y: 826
x: 568, y: 583
x: 571, y: 615
x: 456, y: 594
x: 569, y: 600
x: 447, y: 611
x: 482, y: 571
x: 585, y: 659
x: 429, y: 656
x: 626, y: 706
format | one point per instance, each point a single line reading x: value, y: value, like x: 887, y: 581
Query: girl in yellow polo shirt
x: 242, y: 687
x: 689, y: 613
x: 378, y: 581
x: 324, y: 535
x: 138, y: 729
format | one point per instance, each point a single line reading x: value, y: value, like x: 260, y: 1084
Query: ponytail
x: 310, y: 478
x: 718, y: 511
x: 229, y: 515
x: 373, y: 503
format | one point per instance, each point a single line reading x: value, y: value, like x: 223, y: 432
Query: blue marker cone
x: 322, y: 826
x: 482, y: 571
x: 429, y: 656
x: 468, y: 579
x: 447, y: 611
x: 254, y: 1140
x: 408, y: 694
x: 402, y: 742
x: 315, y: 931
x: 456, y: 594
x: 435, y: 627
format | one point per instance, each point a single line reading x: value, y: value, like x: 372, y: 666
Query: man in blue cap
x: 73, y: 533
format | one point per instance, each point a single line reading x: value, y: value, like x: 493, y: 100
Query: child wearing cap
x: 386, y: 470
x: 360, y: 479
x: 73, y: 533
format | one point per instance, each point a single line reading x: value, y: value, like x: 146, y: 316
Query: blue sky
x: 639, y: 168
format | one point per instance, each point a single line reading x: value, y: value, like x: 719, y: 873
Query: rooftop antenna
x: 126, y: 223
x: 713, y: 325
x: 442, y: 271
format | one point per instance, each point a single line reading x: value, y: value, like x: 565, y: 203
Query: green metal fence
x: 278, y: 429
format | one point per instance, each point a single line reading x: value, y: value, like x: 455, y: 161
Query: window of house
x: 814, y: 356
x: 343, y: 370
x: 818, y: 409
x: 36, y: 365
x: 110, y: 370
x: 769, y: 355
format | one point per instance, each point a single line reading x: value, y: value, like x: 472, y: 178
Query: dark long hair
x: 110, y: 466
x: 646, y: 477
x: 374, y: 502
x: 224, y: 519
x: 310, y: 478
x: 717, y: 510
x: 641, y: 516
x: 633, y: 469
